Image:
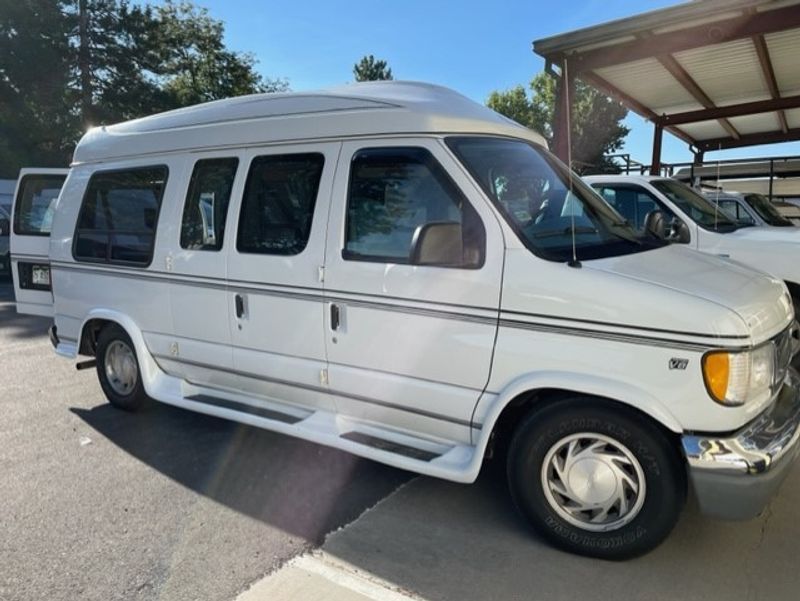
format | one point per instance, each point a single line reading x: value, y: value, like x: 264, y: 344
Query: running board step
x: 245, y: 408
x: 390, y: 446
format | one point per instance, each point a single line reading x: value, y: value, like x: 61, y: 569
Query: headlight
x: 734, y: 378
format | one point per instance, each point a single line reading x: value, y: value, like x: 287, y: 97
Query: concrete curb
x: 316, y: 576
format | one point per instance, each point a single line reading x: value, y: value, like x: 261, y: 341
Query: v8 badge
x: 676, y: 363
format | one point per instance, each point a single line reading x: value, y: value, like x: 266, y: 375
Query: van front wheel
x: 118, y: 369
x: 596, y: 480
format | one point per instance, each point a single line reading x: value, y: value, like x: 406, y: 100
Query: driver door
x: 409, y: 343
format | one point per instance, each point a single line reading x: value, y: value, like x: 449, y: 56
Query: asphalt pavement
x: 165, y: 504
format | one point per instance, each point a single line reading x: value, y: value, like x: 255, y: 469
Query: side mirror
x: 680, y: 232
x: 438, y: 244
x: 5, y: 227
x: 655, y: 224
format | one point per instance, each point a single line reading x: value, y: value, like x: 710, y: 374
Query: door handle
x: 239, y: 306
x: 336, y: 317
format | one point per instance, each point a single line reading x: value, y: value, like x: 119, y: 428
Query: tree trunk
x: 84, y: 65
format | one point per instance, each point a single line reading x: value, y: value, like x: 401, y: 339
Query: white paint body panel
x: 426, y: 358
x: 280, y: 336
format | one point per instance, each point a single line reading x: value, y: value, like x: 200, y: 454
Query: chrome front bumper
x: 734, y: 476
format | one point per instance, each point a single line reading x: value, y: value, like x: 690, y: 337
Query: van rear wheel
x: 596, y: 480
x: 118, y: 369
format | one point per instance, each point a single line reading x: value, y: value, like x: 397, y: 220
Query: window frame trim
x: 227, y: 209
x: 108, y: 233
x: 348, y: 255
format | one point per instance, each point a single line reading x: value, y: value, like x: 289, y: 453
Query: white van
x: 388, y: 269
x: 690, y: 218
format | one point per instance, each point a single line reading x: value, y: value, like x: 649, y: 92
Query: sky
x: 472, y: 46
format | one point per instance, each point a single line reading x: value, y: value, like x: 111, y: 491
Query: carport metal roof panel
x: 716, y: 73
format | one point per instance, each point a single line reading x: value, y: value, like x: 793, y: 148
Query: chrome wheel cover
x: 593, y: 482
x: 120, y: 367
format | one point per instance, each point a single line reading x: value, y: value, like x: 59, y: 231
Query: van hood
x: 773, y: 250
x: 766, y: 234
x: 762, y: 301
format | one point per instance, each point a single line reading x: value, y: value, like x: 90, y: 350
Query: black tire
x: 658, y: 462
x: 131, y: 397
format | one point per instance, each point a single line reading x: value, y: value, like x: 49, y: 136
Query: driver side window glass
x: 633, y: 204
x: 397, y: 197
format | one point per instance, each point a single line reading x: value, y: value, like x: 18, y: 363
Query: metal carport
x: 717, y: 74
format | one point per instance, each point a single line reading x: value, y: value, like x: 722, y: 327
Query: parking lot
x: 170, y: 505
x: 98, y: 504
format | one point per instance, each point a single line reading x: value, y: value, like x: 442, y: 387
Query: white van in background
x: 751, y: 208
x: 689, y: 218
x: 394, y: 270
x: 35, y: 198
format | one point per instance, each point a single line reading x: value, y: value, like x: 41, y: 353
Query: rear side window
x: 394, y: 195
x: 118, y: 217
x: 278, y: 204
x: 206, y: 208
x: 33, y: 215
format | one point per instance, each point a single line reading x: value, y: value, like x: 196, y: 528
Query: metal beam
x: 593, y: 79
x: 717, y: 32
x: 686, y: 80
x: 733, y: 110
x: 769, y: 76
x: 565, y: 98
x: 775, y: 137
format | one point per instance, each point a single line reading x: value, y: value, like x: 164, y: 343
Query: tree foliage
x: 66, y: 65
x: 195, y: 64
x: 597, y: 128
x: 371, y: 69
x: 34, y: 73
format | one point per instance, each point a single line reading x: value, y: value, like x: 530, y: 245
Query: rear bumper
x: 734, y: 476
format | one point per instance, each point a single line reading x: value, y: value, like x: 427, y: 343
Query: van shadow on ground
x: 12, y: 324
x: 302, y: 488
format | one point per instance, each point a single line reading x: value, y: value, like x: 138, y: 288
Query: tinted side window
x: 33, y: 215
x: 206, y: 208
x: 633, y: 204
x: 278, y: 204
x: 731, y: 207
x: 118, y: 217
x: 394, y: 194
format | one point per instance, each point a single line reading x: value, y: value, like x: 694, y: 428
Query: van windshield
x: 767, y: 211
x: 532, y: 191
x: 702, y: 211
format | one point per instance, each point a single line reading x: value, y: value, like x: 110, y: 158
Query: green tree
x: 114, y: 61
x: 34, y: 72
x: 371, y: 69
x: 597, y: 128
x: 66, y: 65
x: 195, y: 65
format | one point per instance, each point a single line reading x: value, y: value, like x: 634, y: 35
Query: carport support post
x: 565, y: 92
x: 658, y: 135
x: 771, y: 177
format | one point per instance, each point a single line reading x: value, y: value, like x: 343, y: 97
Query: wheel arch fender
x: 624, y: 393
x: 147, y: 365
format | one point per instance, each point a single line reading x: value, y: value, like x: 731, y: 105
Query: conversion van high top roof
x: 393, y: 270
x: 367, y: 109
